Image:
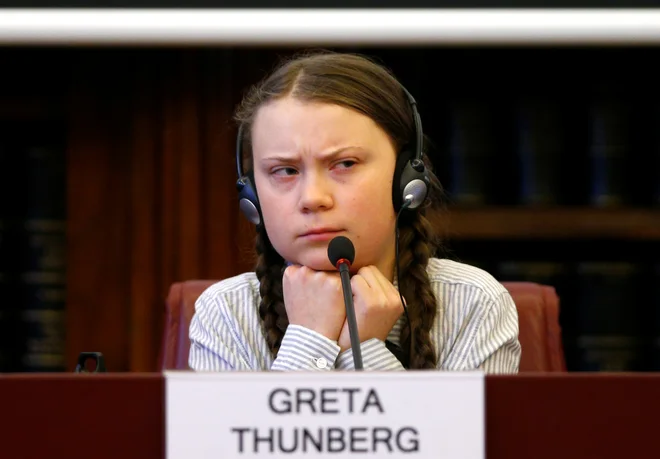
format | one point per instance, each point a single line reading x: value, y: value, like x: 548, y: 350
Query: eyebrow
x: 325, y: 157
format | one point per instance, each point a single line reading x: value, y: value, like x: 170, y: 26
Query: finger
x: 388, y: 292
x: 306, y: 271
x: 318, y: 272
x: 360, y: 287
x: 290, y: 271
x: 336, y: 276
x: 379, y: 293
x: 375, y: 278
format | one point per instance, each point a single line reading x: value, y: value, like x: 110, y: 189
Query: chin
x: 316, y: 263
x: 314, y: 258
x: 322, y: 263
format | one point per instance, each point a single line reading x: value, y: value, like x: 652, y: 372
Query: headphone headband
x: 419, y: 134
x: 239, y: 152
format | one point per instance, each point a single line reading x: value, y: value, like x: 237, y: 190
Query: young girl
x: 324, y: 140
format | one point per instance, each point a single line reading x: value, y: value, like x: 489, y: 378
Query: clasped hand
x: 315, y: 300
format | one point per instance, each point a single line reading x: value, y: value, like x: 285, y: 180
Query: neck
x: 387, y: 266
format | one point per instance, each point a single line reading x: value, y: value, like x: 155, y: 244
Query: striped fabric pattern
x: 476, y: 328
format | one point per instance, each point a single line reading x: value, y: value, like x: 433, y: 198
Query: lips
x: 321, y: 231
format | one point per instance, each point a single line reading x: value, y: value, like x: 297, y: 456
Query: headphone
x: 411, y: 179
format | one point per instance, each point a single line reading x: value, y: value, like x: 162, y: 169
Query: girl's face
x: 321, y: 171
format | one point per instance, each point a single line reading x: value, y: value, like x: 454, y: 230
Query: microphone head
x: 340, y: 248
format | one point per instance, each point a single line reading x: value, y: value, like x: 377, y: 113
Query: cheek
x: 275, y: 221
x: 274, y: 212
x: 372, y: 205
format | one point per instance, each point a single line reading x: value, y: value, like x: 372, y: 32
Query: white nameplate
x: 340, y: 414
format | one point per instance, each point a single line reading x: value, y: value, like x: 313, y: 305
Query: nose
x: 315, y: 193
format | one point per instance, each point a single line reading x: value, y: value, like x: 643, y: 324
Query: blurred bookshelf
x: 550, y: 159
x: 515, y: 223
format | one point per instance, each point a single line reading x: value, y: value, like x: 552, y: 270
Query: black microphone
x: 341, y: 253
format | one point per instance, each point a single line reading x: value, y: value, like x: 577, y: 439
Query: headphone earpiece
x: 411, y: 178
x: 411, y: 181
x: 414, y: 183
x: 248, y: 201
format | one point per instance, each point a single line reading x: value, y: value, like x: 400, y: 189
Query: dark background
x: 550, y: 157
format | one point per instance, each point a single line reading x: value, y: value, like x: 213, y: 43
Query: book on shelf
x: 34, y: 246
x: 538, y: 148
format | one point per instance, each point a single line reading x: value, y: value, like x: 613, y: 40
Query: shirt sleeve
x: 496, y: 348
x: 305, y: 349
x: 218, y: 342
x: 375, y: 357
x: 215, y: 344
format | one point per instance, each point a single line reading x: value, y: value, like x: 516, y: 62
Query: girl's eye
x: 284, y: 171
x: 347, y: 164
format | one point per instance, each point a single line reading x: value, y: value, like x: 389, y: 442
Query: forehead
x: 292, y: 125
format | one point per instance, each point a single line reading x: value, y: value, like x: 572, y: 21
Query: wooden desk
x: 122, y: 416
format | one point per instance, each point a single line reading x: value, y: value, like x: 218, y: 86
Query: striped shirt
x: 475, y: 328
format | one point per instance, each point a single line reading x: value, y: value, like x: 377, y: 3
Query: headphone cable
x: 408, y: 200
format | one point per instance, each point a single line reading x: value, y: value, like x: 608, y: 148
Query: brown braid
x: 420, y: 238
x: 269, y: 269
x: 416, y: 289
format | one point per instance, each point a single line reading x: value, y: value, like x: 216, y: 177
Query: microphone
x: 341, y: 253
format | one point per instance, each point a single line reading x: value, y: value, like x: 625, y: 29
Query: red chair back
x: 538, y: 315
